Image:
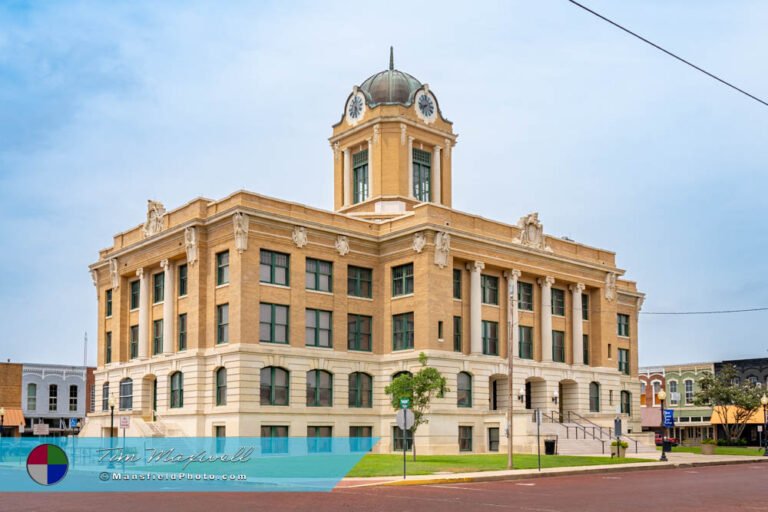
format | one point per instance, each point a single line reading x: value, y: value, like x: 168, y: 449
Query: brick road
x: 716, y: 488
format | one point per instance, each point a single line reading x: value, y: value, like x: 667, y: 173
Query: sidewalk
x: 676, y: 460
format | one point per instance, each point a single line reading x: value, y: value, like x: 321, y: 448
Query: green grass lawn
x: 720, y: 450
x: 389, y: 465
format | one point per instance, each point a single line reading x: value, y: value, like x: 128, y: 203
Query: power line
x: 694, y: 66
x: 721, y: 312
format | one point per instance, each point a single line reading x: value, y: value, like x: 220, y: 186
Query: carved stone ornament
x: 640, y: 301
x: 155, y: 214
x: 442, y: 249
x: 419, y: 241
x: 610, y: 286
x: 299, y: 236
x: 190, y: 243
x: 336, y: 150
x: 403, y: 131
x: 113, y: 273
x: 376, y: 133
x: 532, y: 232
x: 240, y: 222
x: 342, y: 245
x: 95, y: 277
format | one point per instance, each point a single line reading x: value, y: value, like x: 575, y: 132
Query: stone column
x: 143, y: 313
x: 169, y: 303
x: 437, y: 178
x: 546, y: 317
x: 513, y: 316
x: 370, y: 168
x: 410, y: 167
x: 475, y: 307
x: 347, y: 186
x: 578, y: 326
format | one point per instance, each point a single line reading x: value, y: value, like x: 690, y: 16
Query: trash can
x: 666, y: 446
x: 550, y: 445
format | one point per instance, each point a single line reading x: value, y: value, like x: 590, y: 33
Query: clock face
x: 355, y: 107
x: 426, y: 105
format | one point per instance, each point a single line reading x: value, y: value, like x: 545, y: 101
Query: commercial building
x: 255, y: 316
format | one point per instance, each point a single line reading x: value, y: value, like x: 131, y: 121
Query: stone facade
x: 394, y: 209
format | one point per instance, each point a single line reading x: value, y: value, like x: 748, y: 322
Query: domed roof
x: 390, y: 86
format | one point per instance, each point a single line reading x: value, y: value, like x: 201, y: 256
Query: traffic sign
x: 405, y: 403
x: 125, y: 422
x: 405, y: 419
x: 72, y: 422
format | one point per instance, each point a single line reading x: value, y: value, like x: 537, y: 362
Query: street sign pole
x: 405, y: 420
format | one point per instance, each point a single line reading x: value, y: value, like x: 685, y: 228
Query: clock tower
x: 391, y: 148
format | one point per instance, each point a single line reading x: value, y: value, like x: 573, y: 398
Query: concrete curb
x: 549, y: 473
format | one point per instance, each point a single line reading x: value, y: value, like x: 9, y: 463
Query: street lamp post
x: 663, y: 396
x: 111, y: 427
x: 764, y: 401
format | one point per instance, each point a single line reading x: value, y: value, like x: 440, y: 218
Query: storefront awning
x: 13, y: 417
x: 757, y: 417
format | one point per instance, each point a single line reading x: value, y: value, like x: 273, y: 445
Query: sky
x: 104, y: 105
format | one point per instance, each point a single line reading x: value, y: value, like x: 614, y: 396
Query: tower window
x: 422, y: 166
x: 360, y: 176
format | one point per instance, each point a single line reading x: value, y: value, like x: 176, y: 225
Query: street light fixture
x: 521, y: 394
x: 111, y: 416
x: 662, y: 395
x: 764, y: 401
x: 555, y: 397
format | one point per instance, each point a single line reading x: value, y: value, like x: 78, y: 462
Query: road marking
x: 611, y: 478
x: 526, y: 484
x: 450, y: 486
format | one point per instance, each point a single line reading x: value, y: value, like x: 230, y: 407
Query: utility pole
x: 511, y: 330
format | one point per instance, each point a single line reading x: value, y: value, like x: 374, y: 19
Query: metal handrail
x: 575, y: 427
x: 610, y: 430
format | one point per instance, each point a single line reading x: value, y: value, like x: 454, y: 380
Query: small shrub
x: 708, y: 440
x: 623, y: 444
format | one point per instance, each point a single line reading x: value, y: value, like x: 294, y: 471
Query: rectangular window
x: 688, y: 392
x: 73, y: 398
x: 222, y: 323
x: 31, y: 396
x: 108, y: 348
x: 183, y: 331
x: 558, y: 346
x: 524, y: 296
x: 319, y: 275
x: 584, y: 306
x: 135, y: 288
x: 274, y: 267
x: 359, y: 282
x: 585, y: 347
x: 457, y: 283
x: 440, y: 330
x: 673, y: 394
x: 399, y: 437
x: 274, y: 439
x: 356, y: 444
x: 624, y: 361
x: 273, y: 323
x: 623, y: 324
x: 465, y: 439
x: 610, y: 351
x: 183, y: 269
x: 558, y: 302
x: 318, y: 328
x: 319, y: 439
x: 108, y: 303
x: 359, y: 328
x: 134, y: 341
x: 222, y: 268
x: 402, y: 280
x: 422, y: 163
x: 402, y: 331
x: 53, y: 397
x: 493, y: 439
x: 158, y: 288
x: 526, y: 342
x: 489, y: 285
x: 457, y: 334
x: 360, y: 176
x: 490, y: 338
x: 157, y: 337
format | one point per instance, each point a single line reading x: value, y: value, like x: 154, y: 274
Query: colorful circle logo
x: 47, y: 464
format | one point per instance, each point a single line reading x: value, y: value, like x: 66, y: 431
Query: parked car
x: 673, y: 440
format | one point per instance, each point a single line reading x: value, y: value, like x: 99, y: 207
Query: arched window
x: 274, y: 386
x: 656, y: 388
x: 404, y: 372
x: 360, y: 390
x: 688, y: 392
x: 319, y: 388
x: 105, y: 396
x: 626, y: 402
x: 464, y: 385
x: 53, y: 397
x: 594, y: 397
x: 126, y: 394
x: 673, y: 400
x: 31, y: 396
x: 177, y: 390
x: 221, y: 386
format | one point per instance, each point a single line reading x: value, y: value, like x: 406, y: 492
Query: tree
x: 420, y: 389
x: 723, y: 392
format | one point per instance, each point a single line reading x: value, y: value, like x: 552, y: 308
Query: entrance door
x: 494, y: 395
x: 527, y: 395
x: 560, y: 400
x: 154, y: 400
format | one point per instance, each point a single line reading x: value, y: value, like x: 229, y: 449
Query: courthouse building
x: 256, y: 316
